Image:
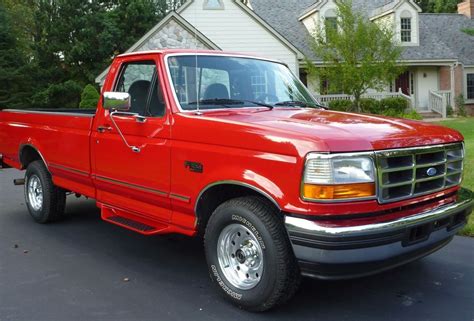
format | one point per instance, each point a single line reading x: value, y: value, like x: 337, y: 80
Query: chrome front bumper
x: 346, y: 252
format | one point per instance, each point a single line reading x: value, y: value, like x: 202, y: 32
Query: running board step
x: 133, y: 221
x: 134, y: 225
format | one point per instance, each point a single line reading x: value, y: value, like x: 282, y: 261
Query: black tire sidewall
x: 41, y: 215
x: 253, y: 298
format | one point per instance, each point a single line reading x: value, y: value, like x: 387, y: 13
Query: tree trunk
x: 357, y: 102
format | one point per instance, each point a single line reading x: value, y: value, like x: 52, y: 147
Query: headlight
x: 338, y: 177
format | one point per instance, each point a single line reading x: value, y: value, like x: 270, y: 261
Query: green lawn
x: 466, y: 127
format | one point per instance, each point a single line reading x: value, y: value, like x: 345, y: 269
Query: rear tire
x: 45, y: 201
x: 249, y: 254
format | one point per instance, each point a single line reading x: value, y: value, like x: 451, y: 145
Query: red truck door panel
x: 127, y: 179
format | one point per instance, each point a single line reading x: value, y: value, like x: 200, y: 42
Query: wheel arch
x: 219, y: 192
x: 28, y: 153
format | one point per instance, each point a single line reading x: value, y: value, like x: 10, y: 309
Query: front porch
x: 429, y: 89
x: 438, y: 101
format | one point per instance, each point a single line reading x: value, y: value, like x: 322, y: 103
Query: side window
x: 140, y: 80
x: 470, y: 86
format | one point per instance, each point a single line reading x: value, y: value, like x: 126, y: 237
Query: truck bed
x: 60, y: 136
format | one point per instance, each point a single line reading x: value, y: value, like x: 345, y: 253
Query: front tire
x: 249, y: 255
x: 45, y: 201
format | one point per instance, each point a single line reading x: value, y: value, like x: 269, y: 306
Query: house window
x: 327, y: 87
x: 259, y: 84
x: 470, y: 86
x: 213, y: 5
x: 330, y: 22
x: 405, y: 30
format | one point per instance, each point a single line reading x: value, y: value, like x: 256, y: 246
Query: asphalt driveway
x: 85, y: 269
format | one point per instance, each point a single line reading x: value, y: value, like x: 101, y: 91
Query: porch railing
x: 377, y: 96
x: 437, y: 103
x: 447, y: 94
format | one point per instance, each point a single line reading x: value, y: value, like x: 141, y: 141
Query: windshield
x: 216, y: 82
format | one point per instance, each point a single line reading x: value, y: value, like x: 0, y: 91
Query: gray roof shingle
x: 384, y: 8
x: 446, y: 29
x: 283, y: 16
x: 440, y: 34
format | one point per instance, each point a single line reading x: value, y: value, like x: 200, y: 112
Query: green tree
x: 21, y: 12
x: 64, y: 44
x: 66, y: 94
x: 439, y: 6
x: 89, y: 97
x: 357, y: 54
x: 13, y: 72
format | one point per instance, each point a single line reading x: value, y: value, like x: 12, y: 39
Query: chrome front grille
x: 411, y: 172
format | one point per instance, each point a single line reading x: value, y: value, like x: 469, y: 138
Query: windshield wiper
x: 226, y: 102
x: 297, y: 103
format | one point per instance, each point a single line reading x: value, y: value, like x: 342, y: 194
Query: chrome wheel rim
x: 35, y: 192
x: 240, y: 256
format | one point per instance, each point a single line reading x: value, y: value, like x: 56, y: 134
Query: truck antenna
x: 198, y: 111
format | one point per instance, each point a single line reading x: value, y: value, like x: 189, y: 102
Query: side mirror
x: 117, y: 101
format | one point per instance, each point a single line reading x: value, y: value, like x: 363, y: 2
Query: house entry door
x: 403, y: 83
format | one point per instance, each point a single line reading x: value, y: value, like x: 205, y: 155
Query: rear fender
x: 25, y: 148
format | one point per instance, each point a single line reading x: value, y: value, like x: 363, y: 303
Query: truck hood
x: 339, y: 131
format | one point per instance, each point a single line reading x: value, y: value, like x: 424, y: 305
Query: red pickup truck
x: 234, y: 148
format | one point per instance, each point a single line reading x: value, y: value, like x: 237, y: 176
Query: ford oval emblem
x: 431, y: 171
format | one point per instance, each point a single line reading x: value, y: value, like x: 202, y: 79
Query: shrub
x: 460, y: 105
x: 412, y: 115
x: 391, y: 113
x: 89, y: 97
x: 370, y: 105
x: 60, y: 95
x: 449, y: 111
x: 395, y: 105
x: 340, y: 105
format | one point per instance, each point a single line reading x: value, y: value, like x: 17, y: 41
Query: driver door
x: 135, y: 180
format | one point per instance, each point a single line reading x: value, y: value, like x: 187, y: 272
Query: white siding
x: 387, y: 21
x: 232, y: 29
x: 311, y: 22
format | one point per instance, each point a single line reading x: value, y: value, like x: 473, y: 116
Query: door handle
x: 103, y: 129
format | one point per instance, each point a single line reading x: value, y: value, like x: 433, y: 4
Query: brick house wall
x: 445, y: 83
x: 445, y: 78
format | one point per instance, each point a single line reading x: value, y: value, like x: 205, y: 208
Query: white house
x: 437, y: 50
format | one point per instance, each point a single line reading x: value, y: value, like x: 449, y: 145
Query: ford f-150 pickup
x: 234, y: 148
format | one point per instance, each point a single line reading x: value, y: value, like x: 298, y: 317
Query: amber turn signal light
x: 335, y: 192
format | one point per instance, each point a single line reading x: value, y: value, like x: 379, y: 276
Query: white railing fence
x: 377, y: 96
x: 437, y: 102
x: 447, y: 94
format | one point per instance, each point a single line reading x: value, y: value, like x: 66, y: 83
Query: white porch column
x: 453, y: 92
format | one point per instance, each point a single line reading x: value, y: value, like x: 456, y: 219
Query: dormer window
x: 405, y: 27
x: 330, y: 21
x: 213, y: 5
